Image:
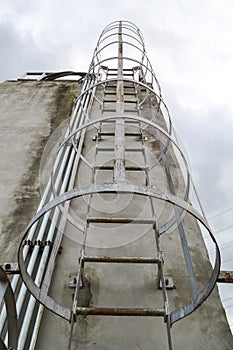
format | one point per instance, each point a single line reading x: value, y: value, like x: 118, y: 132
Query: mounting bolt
x: 96, y: 137
x: 168, y: 281
x: 72, y: 282
x: 11, y: 268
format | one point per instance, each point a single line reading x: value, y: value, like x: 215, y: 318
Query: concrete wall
x: 29, y: 113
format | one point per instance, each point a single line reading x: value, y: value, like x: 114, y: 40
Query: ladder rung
x: 133, y: 134
x: 111, y: 149
x: 116, y: 311
x: 104, y: 167
x: 128, y: 168
x: 105, y: 149
x: 106, y: 133
x: 134, y: 149
x: 127, y: 109
x: 109, y: 109
x: 130, y: 101
x: 127, y: 121
x: 110, y: 121
x: 120, y: 259
x: 107, y: 220
x: 113, y: 134
x: 108, y: 85
x: 131, y: 110
x: 114, y: 101
x: 130, y: 121
x: 109, y: 101
x: 135, y: 168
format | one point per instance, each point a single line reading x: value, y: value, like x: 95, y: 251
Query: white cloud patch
x: 19, y: 52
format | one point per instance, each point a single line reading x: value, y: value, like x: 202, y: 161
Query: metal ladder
x: 112, y: 111
x: 117, y: 131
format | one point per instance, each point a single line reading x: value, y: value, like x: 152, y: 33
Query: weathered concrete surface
x: 29, y: 112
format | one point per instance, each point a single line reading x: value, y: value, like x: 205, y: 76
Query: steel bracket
x: 168, y: 281
x: 11, y: 268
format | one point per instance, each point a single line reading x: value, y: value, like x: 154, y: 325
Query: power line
x: 220, y: 213
x: 227, y: 299
x: 222, y: 247
x: 223, y: 229
x: 227, y: 260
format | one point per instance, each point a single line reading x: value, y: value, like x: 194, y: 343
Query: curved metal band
x: 159, y: 97
x: 125, y: 25
x: 147, y: 67
x: 128, y: 35
x: 126, y: 188
x: 10, y: 310
x: 141, y: 64
x: 127, y: 116
x: 123, y: 42
x: 141, y: 48
x: 171, y: 222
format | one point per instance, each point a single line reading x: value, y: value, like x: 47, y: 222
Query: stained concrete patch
x: 29, y: 113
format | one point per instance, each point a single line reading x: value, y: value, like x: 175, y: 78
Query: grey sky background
x: 190, y: 45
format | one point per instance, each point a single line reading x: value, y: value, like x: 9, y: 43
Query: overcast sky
x: 190, y: 45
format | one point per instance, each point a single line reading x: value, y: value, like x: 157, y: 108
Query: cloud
x: 19, y: 52
x: 207, y: 136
